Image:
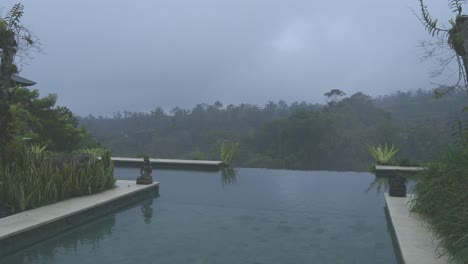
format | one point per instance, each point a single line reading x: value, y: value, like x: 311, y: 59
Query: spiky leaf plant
x: 33, y: 181
x: 382, y: 155
x: 229, y: 153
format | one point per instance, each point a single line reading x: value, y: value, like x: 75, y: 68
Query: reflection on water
x: 378, y: 184
x: 147, y: 211
x: 381, y: 183
x: 228, y: 176
x: 89, y: 234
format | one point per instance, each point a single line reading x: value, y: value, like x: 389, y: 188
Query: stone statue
x: 145, y: 173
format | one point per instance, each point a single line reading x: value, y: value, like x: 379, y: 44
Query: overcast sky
x: 106, y: 56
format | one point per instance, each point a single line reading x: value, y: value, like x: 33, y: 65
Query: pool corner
x: 27, y: 228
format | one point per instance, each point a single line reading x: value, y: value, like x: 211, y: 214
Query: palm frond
x: 456, y: 5
x: 429, y: 23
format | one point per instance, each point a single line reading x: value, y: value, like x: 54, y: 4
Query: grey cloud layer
x: 104, y: 56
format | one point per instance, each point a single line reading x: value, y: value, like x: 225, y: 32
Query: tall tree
x: 334, y: 95
x: 15, y: 39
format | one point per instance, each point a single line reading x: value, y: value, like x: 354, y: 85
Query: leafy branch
x: 429, y: 23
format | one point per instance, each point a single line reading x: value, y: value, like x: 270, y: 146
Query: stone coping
x: 170, y: 161
x: 23, y: 229
x: 414, y: 239
x: 397, y: 168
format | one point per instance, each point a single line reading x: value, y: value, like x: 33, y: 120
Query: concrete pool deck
x: 24, y: 229
x: 414, y: 239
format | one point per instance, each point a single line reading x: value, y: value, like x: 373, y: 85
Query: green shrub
x: 442, y: 198
x: 197, y: 154
x: 405, y: 162
x: 33, y: 181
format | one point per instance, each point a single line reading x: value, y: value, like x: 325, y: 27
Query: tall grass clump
x: 229, y: 153
x: 441, y: 196
x: 33, y: 179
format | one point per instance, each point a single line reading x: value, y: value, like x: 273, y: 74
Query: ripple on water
x: 285, y: 228
x: 256, y: 228
x: 361, y: 226
x: 244, y: 218
x: 319, y: 231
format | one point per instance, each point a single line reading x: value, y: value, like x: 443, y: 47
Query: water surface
x: 259, y: 216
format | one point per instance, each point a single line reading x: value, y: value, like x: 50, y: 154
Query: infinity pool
x: 257, y: 217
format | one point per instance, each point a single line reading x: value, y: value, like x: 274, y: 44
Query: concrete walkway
x: 416, y: 243
x: 23, y: 229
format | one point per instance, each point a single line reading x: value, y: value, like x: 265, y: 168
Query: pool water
x: 258, y: 216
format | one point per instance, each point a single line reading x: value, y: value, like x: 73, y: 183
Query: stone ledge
x: 414, y: 239
x: 169, y: 163
x: 27, y: 228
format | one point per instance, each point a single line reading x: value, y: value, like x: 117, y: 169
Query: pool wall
x: 27, y: 228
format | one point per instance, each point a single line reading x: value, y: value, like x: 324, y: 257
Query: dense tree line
x: 426, y: 125
x: 196, y: 133
x: 333, y: 138
x: 294, y: 136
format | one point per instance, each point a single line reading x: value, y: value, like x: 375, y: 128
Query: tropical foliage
x: 43, y: 123
x: 229, y: 153
x: 23, y: 115
x: 34, y: 180
x: 14, y: 39
x: 99, y: 152
x: 294, y: 136
x: 441, y: 197
x: 382, y: 155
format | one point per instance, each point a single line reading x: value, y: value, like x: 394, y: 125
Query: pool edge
x: 30, y: 227
x: 414, y: 240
